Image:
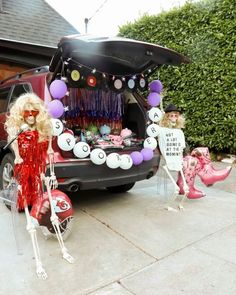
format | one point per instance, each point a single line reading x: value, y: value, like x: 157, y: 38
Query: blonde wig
x: 165, y: 121
x: 15, y: 119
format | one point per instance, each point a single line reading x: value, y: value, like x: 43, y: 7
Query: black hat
x: 172, y: 108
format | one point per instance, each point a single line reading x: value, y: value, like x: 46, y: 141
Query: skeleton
x: 31, y: 149
x: 172, y: 142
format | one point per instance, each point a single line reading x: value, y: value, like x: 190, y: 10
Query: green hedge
x: 206, y: 88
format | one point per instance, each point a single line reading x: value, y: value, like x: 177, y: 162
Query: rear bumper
x: 85, y: 175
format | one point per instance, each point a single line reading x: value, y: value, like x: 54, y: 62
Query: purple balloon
x: 156, y: 86
x: 147, y: 154
x: 137, y: 158
x: 154, y: 99
x: 55, y: 108
x: 58, y: 89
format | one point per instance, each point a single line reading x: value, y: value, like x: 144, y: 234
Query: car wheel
x: 6, y: 172
x: 120, y: 188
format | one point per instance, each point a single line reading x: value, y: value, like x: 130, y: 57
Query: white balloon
x: 126, y: 162
x: 81, y: 149
x: 98, y: 156
x: 57, y: 127
x: 150, y: 142
x: 113, y: 160
x: 155, y: 114
x: 152, y: 130
x: 66, y: 141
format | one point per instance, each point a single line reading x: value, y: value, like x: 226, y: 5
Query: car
x: 106, y: 77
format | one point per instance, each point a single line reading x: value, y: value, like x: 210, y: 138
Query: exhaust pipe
x: 73, y: 188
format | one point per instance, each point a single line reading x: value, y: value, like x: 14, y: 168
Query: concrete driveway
x: 128, y: 244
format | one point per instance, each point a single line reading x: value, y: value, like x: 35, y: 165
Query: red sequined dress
x: 34, y: 155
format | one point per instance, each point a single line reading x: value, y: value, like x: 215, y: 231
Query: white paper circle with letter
x: 57, y: 127
x: 98, y: 156
x: 150, y: 142
x: 126, y: 162
x: 155, y: 114
x: 81, y: 150
x: 152, y: 130
x: 113, y: 160
x: 66, y: 141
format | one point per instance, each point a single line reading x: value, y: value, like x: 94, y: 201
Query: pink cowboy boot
x: 207, y: 173
x: 190, y: 170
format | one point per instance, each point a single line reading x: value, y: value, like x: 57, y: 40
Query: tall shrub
x: 206, y: 88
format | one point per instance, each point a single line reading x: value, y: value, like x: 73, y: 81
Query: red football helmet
x: 63, y: 209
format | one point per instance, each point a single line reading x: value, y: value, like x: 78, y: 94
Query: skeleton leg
x: 41, y: 273
x: 186, y: 191
x: 176, y: 191
x: 56, y: 225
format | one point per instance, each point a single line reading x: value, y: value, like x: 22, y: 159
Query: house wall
x: 7, y: 70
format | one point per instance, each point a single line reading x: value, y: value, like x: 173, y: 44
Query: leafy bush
x: 206, y: 88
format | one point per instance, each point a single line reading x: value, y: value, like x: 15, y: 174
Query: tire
x: 6, y: 172
x: 120, y: 188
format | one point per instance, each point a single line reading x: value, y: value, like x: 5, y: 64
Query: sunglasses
x: 28, y: 113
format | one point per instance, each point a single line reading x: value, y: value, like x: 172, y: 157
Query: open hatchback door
x: 110, y: 56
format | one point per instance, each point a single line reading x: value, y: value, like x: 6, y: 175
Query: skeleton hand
x: 53, y: 184
x: 18, y: 160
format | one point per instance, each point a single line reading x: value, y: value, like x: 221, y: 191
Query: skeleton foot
x: 41, y: 273
x: 68, y: 257
x: 181, y: 207
x: 168, y: 208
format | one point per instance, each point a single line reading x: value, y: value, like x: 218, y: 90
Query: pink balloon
x: 147, y: 154
x: 153, y: 99
x: 58, y: 89
x: 55, y: 108
x: 156, y: 86
x: 137, y: 158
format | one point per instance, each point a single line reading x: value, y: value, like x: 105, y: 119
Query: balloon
x: 150, y: 142
x: 154, y: 99
x: 113, y: 160
x: 81, y: 150
x: 126, y: 162
x: 147, y: 154
x: 105, y: 129
x: 66, y: 141
x: 55, y: 108
x: 98, y: 156
x: 152, y: 130
x: 156, y: 86
x: 58, y: 89
x: 155, y: 114
x: 57, y: 127
x: 137, y: 158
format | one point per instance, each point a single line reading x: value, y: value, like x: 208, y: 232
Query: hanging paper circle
x: 150, y: 142
x: 155, y: 114
x: 131, y: 84
x: 118, y: 84
x: 66, y: 141
x: 55, y: 108
x: 58, y: 89
x: 126, y: 162
x: 147, y: 154
x: 113, y: 160
x: 152, y: 130
x: 98, y: 156
x: 81, y: 150
x: 153, y: 99
x: 137, y: 158
x: 57, y: 127
x: 142, y: 83
x: 91, y: 81
x: 75, y: 75
x: 156, y: 86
